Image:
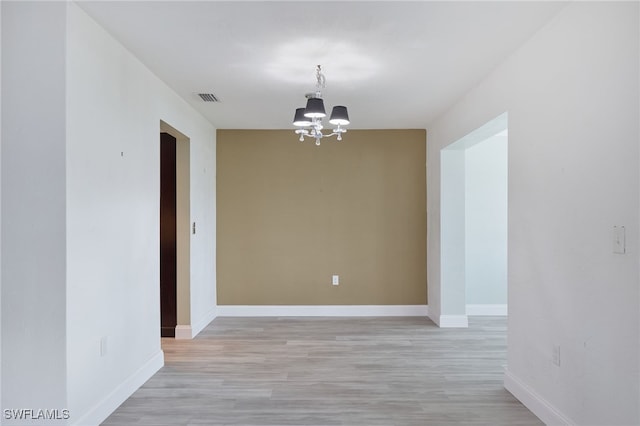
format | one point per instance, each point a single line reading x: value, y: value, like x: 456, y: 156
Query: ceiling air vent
x: 208, y: 97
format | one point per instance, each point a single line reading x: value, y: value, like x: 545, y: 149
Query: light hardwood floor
x: 330, y: 371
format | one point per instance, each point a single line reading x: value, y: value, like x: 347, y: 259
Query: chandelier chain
x: 321, y: 81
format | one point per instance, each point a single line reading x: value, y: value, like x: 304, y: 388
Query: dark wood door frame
x: 168, y: 246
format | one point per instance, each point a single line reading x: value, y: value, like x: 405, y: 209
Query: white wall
x: 114, y: 108
x: 0, y: 210
x: 572, y: 94
x: 203, y: 213
x: 80, y: 213
x: 33, y: 206
x: 486, y: 222
x: 453, y: 297
x: 469, y: 194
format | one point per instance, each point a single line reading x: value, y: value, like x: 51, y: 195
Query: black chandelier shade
x: 299, y: 119
x: 339, y: 116
x: 315, y: 108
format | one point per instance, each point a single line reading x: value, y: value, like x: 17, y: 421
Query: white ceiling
x: 393, y: 64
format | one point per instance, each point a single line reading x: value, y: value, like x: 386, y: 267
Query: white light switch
x: 335, y: 280
x: 619, y: 245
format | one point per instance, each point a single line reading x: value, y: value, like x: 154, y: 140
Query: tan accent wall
x: 183, y: 232
x: 291, y: 214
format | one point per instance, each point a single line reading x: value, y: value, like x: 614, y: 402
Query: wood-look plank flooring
x: 330, y: 371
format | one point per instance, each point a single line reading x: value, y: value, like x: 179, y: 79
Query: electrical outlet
x: 555, y: 356
x: 335, y: 280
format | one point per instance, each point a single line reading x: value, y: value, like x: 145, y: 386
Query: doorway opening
x: 474, y: 176
x: 175, y: 233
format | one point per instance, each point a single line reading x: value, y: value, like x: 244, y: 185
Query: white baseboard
x: 104, y: 408
x: 435, y: 317
x: 204, y: 321
x: 184, y: 332
x: 488, y: 310
x: 452, y: 321
x: 534, y: 402
x: 187, y: 332
x: 323, y: 311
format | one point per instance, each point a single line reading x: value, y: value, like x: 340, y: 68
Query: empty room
x: 320, y: 213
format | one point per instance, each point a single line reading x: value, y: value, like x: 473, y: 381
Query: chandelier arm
x: 334, y: 133
x: 314, y: 135
x: 320, y: 135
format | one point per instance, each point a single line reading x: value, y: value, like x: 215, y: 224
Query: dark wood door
x: 168, y: 265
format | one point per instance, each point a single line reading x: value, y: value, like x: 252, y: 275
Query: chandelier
x: 309, y: 119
